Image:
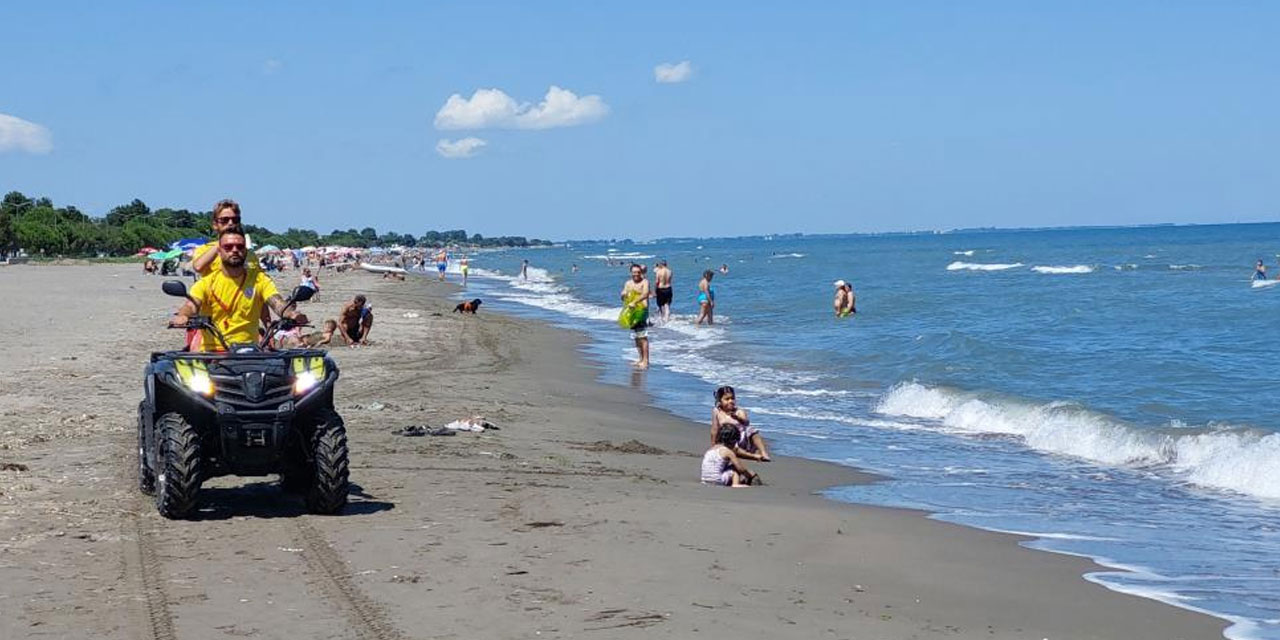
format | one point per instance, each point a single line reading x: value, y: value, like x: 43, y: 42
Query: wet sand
x: 580, y: 517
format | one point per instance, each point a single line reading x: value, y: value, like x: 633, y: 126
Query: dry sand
x: 581, y: 517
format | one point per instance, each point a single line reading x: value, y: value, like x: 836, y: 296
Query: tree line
x: 38, y: 227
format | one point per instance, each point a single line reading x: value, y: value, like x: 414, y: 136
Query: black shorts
x: 663, y: 295
x: 352, y: 332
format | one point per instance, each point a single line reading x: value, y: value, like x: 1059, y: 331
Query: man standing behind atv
x: 205, y: 260
x: 233, y: 296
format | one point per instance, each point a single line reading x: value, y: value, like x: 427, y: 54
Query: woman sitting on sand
x: 750, y: 443
x: 721, y: 467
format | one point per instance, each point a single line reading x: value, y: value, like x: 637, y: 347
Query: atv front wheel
x: 328, y: 491
x: 178, y: 459
x: 146, y: 475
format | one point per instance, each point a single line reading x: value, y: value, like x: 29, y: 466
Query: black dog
x: 467, y: 307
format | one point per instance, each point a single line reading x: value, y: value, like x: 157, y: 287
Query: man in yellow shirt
x: 233, y: 297
x: 205, y: 260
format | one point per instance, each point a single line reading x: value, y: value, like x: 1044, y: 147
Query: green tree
x: 118, y: 216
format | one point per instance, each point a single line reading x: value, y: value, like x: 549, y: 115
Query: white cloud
x: 463, y: 148
x: 272, y: 67
x: 17, y: 134
x: 494, y: 109
x: 667, y: 73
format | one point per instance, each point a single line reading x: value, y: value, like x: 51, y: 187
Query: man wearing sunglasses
x: 233, y: 296
x: 205, y: 260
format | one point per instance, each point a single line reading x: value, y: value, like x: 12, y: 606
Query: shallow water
x: 1106, y: 390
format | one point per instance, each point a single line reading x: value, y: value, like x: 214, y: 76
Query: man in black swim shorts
x: 662, y: 277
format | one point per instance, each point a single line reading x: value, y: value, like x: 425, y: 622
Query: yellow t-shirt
x: 234, y: 305
x: 251, y: 260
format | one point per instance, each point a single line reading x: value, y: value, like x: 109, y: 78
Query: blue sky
x: 822, y: 117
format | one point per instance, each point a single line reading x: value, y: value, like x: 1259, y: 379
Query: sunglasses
x: 229, y: 248
x: 227, y: 219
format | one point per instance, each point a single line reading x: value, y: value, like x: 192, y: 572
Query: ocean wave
x: 619, y: 256
x: 1185, y: 267
x: 1079, y: 268
x: 963, y: 253
x: 779, y: 256
x: 977, y: 266
x: 1239, y: 460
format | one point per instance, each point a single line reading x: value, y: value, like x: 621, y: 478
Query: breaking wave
x: 1079, y: 268
x: 977, y: 266
x: 1235, y: 459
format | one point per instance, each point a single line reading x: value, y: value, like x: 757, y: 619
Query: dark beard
x: 234, y: 262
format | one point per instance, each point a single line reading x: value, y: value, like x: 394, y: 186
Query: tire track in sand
x: 330, y: 574
x: 144, y: 563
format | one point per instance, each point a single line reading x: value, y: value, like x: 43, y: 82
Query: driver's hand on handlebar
x: 178, y: 320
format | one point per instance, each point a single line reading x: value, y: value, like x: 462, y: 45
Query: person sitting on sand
x: 750, y: 444
x: 720, y: 466
x: 355, y: 320
x: 308, y: 280
x: 294, y: 337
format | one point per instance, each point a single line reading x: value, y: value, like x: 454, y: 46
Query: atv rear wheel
x: 328, y: 491
x: 146, y: 475
x: 178, y: 462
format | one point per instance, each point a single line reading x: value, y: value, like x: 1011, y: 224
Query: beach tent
x: 187, y: 244
x: 165, y: 255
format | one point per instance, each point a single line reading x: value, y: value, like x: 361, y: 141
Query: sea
x: 1113, y: 393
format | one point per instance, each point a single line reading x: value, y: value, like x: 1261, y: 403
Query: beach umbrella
x: 165, y: 255
x: 145, y: 250
x: 187, y: 244
x: 307, y: 248
x: 267, y: 249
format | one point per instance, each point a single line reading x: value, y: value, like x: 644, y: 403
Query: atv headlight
x: 195, y: 376
x: 200, y: 384
x: 307, y: 373
x: 304, y: 382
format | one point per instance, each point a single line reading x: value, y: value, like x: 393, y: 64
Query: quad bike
x: 248, y: 411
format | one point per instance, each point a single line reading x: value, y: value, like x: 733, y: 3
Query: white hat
x: 840, y: 283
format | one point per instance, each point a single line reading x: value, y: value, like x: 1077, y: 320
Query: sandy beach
x: 580, y: 517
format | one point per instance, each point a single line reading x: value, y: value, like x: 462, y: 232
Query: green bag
x: 631, y: 312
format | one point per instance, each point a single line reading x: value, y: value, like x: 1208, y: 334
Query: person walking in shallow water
x: 662, y: 278
x: 524, y: 270
x: 635, y: 300
x: 706, y: 298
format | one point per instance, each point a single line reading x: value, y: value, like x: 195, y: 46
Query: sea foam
x: 1079, y: 268
x: 978, y: 266
x: 1235, y: 459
